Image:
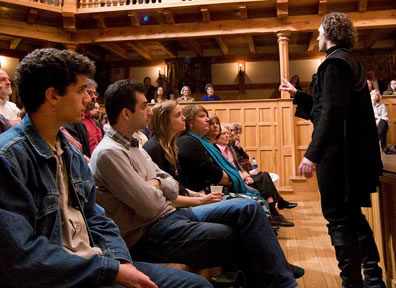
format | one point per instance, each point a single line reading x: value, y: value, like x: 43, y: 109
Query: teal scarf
x: 237, y: 182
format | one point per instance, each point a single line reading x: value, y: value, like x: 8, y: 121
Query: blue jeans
x: 232, y: 231
x: 166, y: 277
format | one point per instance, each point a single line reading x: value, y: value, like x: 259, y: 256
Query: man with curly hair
x: 53, y: 232
x: 344, y: 149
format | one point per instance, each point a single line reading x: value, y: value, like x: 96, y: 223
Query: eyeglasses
x: 92, y: 93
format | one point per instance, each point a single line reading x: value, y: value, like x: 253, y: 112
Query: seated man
x: 53, y: 232
x: 137, y: 195
x: 8, y: 109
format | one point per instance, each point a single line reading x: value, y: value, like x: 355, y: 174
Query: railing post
x: 70, y: 5
x: 283, y: 43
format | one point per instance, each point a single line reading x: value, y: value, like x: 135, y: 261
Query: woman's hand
x: 211, y: 198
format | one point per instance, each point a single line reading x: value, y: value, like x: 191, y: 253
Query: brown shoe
x: 280, y: 221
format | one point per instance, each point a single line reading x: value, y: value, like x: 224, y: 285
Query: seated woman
x: 159, y: 95
x: 186, y: 95
x: 295, y: 81
x: 381, y: 118
x: 262, y: 183
x: 203, y: 165
x: 166, y: 124
x: 242, y: 158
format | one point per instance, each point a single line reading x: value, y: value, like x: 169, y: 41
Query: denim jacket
x: 31, y: 253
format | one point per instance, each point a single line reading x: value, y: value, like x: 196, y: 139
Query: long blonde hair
x: 160, y: 126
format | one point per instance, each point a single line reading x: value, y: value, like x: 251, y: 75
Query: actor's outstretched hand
x: 288, y: 87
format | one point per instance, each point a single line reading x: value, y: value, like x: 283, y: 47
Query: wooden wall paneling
x: 287, y: 143
x: 390, y: 102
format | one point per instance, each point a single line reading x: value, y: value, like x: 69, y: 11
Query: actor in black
x: 344, y: 149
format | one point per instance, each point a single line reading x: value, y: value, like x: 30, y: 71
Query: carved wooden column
x: 283, y: 43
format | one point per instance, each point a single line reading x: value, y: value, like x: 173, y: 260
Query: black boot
x: 370, y: 258
x: 348, y: 255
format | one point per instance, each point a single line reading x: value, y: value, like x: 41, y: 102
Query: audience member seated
x: 94, y: 131
x: 381, y: 119
x: 167, y: 90
x: 377, y: 84
x: 53, y: 232
x: 392, y: 88
x: 242, y: 158
x: 137, y: 195
x: 104, y: 121
x: 149, y: 88
x: 160, y: 96
x: 295, y: 81
x: 167, y: 123
x: 8, y: 109
x: 260, y: 181
x: 210, y: 94
x: 79, y: 132
x: 186, y: 95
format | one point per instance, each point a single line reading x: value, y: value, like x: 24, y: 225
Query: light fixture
x: 241, y: 69
x: 241, y: 66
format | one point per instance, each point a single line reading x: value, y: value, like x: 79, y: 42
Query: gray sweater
x: 120, y: 173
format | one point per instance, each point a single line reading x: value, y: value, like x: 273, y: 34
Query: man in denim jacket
x: 53, y: 234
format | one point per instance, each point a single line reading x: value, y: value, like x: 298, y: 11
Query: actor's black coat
x: 344, y: 141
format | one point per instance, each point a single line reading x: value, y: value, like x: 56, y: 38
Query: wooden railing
x: 86, y: 6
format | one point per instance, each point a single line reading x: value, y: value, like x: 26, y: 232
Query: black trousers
x: 382, y: 129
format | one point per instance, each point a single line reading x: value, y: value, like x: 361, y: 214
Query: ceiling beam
x: 35, y: 31
x: 371, y: 39
x: 170, y: 52
x: 133, y: 18
x: 14, y: 43
x: 93, y: 54
x: 305, y: 23
x: 169, y: 16
x: 362, y: 5
x: 313, y: 41
x: 222, y: 45
x: 116, y: 49
x: 32, y: 16
x: 282, y: 8
x: 100, y: 22
x: 252, y: 46
x: 322, y: 7
x: 196, y: 47
x: 140, y: 50
x: 243, y: 11
x: 205, y: 14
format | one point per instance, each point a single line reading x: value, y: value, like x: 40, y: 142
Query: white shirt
x: 9, y: 110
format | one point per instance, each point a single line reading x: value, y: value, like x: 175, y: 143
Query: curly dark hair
x: 339, y: 29
x: 45, y: 68
x: 119, y: 95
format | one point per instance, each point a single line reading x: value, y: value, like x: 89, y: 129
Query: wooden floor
x: 307, y: 244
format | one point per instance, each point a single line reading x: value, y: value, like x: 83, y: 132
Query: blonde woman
x: 166, y: 124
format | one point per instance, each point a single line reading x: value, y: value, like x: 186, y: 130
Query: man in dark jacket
x: 345, y: 150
